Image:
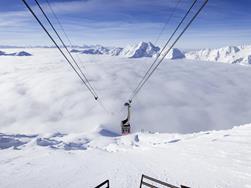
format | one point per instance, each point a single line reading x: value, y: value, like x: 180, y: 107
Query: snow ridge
x: 21, y: 53
x: 97, y: 50
x: 228, y: 54
x: 142, y: 49
x: 109, y: 141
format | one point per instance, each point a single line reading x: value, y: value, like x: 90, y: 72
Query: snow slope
x: 205, y: 159
x: 229, y: 54
x: 174, y: 53
x: 115, y: 51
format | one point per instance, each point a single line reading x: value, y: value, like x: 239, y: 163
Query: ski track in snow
x: 54, y: 135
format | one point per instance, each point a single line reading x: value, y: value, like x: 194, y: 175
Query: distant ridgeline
x: 21, y: 53
x: 229, y: 54
x: 142, y: 49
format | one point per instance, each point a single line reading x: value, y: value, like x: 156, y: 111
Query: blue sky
x: 122, y: 22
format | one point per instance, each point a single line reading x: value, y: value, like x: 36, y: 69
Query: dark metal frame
x: 105, y: 183
x: 142, y: 182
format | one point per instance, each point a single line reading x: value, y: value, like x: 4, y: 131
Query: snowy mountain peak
x: 142, y: 49
x: 115, y: 51
x: 145, y: 44
x: 230, y: 49
x: 175, y: 53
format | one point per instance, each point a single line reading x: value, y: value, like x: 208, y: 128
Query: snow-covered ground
x: 205, y: 159
x: 53, y: 134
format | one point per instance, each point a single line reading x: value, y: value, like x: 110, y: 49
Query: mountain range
x: 142, y: 49
x: 21, y: 53
x: 228, y: 54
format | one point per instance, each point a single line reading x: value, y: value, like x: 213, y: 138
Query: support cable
x: 167, y: 22
x: 161, y: 60
x: 162, y: 50
x: 59, y: 23
x: 86, y: 80
x: 62, y: 28
x: 102, y: 105
x: 46, y: 31
x: 69, y: 41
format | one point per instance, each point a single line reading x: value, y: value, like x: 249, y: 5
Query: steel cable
x: 88, y: 83
x: 146, y: 77
x: 46, y: 31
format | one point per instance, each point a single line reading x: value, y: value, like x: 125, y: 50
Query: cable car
x: 125, y: 124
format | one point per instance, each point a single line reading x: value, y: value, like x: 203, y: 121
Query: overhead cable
x: 78, y: 67
x: 150, y: 72
x: 167, y: 22
x: 68, y: 61
x: 158, y: 54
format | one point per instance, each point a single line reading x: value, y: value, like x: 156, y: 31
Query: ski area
x: 147, y: 94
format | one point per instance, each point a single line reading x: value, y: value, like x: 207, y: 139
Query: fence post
x: 141, y: 181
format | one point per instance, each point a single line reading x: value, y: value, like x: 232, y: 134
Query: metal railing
x: 105, y: 184
x: 146, y: 181
x: 152, y: 181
